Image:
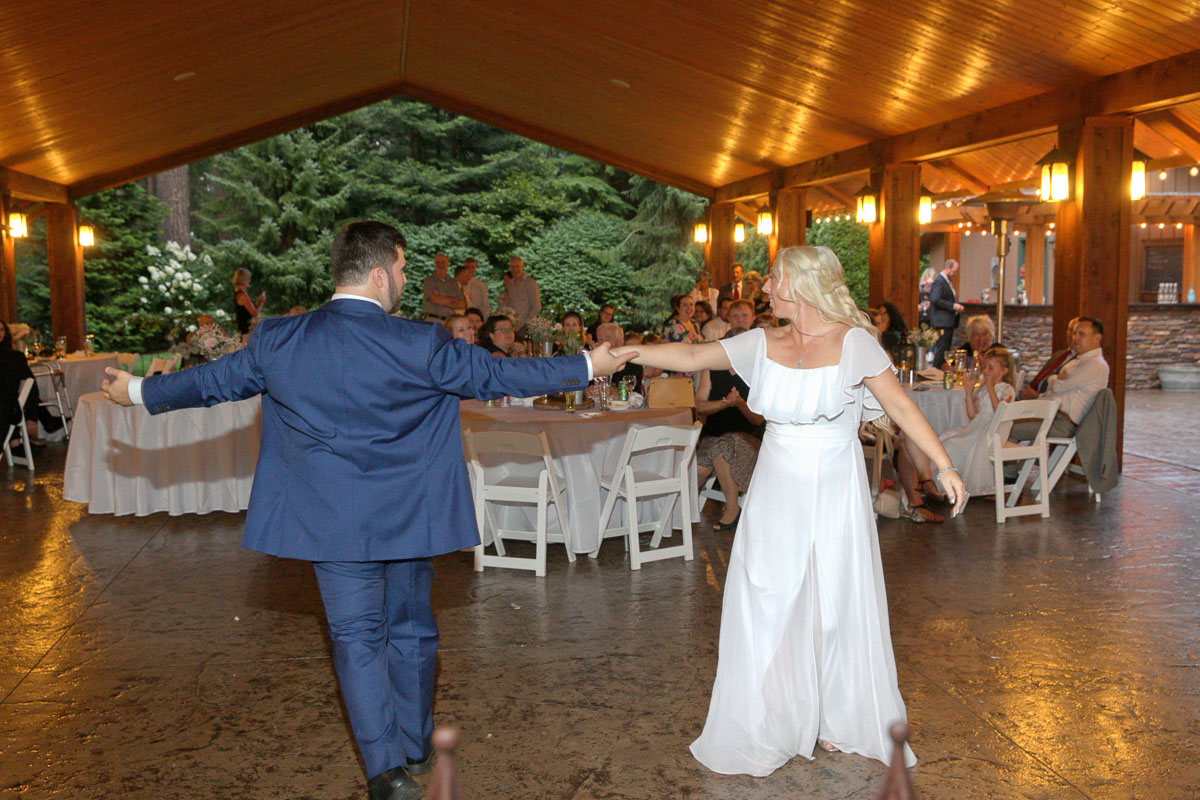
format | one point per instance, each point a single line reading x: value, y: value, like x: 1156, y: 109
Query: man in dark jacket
x: 943, y: 310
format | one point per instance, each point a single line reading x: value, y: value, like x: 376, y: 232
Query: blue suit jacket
x: 361, y: 456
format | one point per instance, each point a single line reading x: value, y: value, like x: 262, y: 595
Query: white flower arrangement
x: 174, y: 278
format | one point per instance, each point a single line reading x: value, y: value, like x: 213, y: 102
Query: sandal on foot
x: 919, y: 513
x: 828, y: 747
x: 727, y: 527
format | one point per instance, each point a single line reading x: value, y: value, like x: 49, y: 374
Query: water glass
x: 570, y: 397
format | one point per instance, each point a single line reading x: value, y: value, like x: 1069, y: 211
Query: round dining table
x: 124, y: 460
x: 585, y: 446
x: 944, y: 408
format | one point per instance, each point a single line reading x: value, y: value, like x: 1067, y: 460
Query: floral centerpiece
x: 542, y: 331
x: 208, y: 343
x: 923, y: 336
x: 570, y: 342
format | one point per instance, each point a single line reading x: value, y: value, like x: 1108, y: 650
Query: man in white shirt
x: 473, y: 289
x: 521, y: 293
x: 718, y: 326
x: 1076, y: 384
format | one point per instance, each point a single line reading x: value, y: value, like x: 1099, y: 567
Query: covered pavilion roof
x: 728, y: 100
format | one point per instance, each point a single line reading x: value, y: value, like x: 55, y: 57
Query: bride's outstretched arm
x: 904, y: 412
x: 677, y: 356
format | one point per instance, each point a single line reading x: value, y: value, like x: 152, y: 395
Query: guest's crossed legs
x: 384, y: 650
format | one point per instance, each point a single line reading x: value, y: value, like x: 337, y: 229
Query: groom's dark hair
x: 359, y: 247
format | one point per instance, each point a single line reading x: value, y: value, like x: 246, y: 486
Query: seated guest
x: 1075, y: 386
x: 981, y: 334
x: 702, y: 315
x: 718, y: 326
x: 1053, y: 364
x: 572, y: 325
x: 14, y: 368
x: 475, y: 317
x: 741, y: 314
x: 605, y: 314
x: 499, y: 337
x: 460, y: 327
x: 633, y: 337
x: 704, y: 292
x: 966, y: 445
x: 647, y: 372
x: 730, y: 437
x: 611, y: 332
x: 765, y: 320
x: 680, y: 327
x: 892, y: 330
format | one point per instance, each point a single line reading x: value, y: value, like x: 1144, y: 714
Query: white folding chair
x: 1062, y: 453
x: 540, y: 490
x: 1035, y: 452
x: 633, y: 481
x: 670, y: 392
x: 19, y: 428
x: 711, y: 492
x: 878, y: 446
x: 62, y: 397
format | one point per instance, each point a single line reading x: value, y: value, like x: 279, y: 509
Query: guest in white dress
x: 805, y: 649
x: 967, y: 445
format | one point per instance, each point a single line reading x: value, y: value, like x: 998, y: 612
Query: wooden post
x: 1191, y: 252
x: 8, y: 269
x: 895, y: 240
x: 64, y: 257
x: 790, y: 227
x: 718, y: 253
x: 1035, y: 264
x: 954, y: 251
x: 1091, y: 255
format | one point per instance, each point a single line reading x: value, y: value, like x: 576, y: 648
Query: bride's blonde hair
x: 815, y: 276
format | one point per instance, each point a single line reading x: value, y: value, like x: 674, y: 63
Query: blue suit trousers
x: 384, y: 650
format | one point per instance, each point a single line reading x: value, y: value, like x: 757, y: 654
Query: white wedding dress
x: 805, y: 652
x: 967, y: 447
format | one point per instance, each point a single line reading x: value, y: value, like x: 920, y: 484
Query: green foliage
x: 660, y: 249
x: 577, y: 264
x: 848, y: 240
x: 126, y: 221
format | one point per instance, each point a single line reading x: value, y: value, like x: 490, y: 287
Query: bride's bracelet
x: 942, y: 472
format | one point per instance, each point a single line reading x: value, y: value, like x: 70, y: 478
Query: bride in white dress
x: 805, y: 649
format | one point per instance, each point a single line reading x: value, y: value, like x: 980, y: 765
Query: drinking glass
x: 570, y: 396
x: 60, y: 347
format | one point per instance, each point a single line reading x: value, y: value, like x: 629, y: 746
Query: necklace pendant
x: 798, y: 363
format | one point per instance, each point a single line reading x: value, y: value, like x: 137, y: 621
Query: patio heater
x: 1002, y: 209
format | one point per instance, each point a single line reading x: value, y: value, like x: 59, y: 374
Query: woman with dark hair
x: 14, y: 368
x: 890, y: 322
x: 572, y: 325
x: 679, y: 326
x: 605, y: 314
x: 499, y: 337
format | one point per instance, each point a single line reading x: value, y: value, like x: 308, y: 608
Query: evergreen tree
x: 848, y: 240
x: 660, y: 248
x: 578, y: 266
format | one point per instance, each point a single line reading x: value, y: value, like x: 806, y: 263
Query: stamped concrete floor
x: 152, y: 657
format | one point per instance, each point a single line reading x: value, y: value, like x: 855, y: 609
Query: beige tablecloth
x: 584, y: 447
x: 191, y: 461
x: 81, y: 375
x: 944, y: 408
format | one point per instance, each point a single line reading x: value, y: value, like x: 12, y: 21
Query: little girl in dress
x: 966, y: 445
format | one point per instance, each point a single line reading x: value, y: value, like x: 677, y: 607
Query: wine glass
x: 60, y: 347
x: 35, y: 344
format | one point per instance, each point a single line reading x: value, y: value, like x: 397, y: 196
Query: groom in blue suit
x: 361, y: 471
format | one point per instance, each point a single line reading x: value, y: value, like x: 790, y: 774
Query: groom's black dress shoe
x: 393, y: 784
x: 422, y: 766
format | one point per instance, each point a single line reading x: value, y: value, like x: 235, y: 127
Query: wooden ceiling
x: 696, y: 94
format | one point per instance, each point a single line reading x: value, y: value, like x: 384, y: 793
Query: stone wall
x: 1158, y: 335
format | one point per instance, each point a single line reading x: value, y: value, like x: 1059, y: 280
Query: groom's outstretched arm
x: 232, y: 377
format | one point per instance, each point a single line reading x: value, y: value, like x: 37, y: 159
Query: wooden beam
x: 790, y: 220
x: 1035, y: 264
x: 955, y: 171
x: 8, y: 272
x: 1177, y: 131
x: 1191, y: 259
x: 718, y: 252
x: 27, y: 187
x: 894, y: 243
x: 1168, y: 82
x: 64, y: 257
x: 1091, y: 254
